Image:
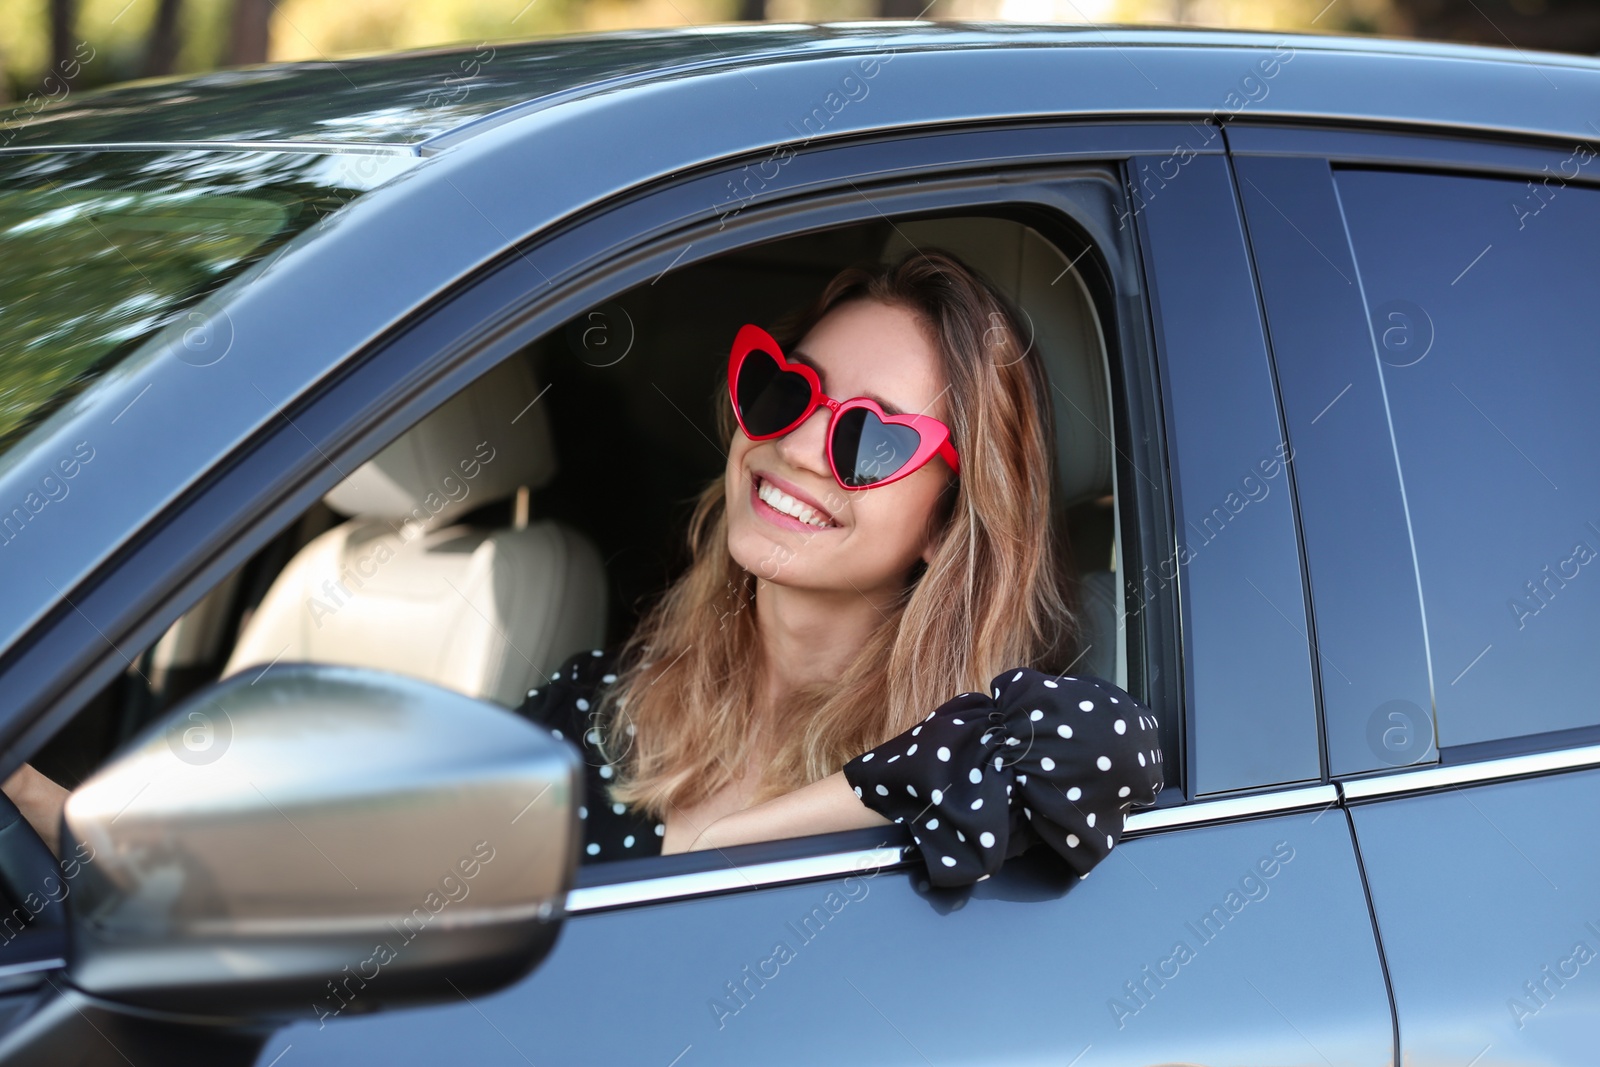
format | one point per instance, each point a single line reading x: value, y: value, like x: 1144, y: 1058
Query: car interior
x: 537, y: 512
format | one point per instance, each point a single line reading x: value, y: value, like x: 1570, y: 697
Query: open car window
x: 494, y: 539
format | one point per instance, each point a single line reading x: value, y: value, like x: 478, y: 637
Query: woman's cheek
x: 887, y: 529
x: 914, y: 517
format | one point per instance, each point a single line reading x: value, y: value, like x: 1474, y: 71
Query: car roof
x: 404, y: 100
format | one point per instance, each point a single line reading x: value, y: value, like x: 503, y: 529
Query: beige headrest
x: 476, y: 448
x: 1028, y: 269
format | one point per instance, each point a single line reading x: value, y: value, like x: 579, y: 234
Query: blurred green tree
x: 1547, y: 25
x: 250, y: 32
x: 161, y: 47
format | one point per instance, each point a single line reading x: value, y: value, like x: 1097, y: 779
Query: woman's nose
x: 806, y: 446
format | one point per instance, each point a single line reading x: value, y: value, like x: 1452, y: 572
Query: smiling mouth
x: 784, y: 504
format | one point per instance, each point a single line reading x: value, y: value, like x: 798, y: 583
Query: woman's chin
x: 773, y: 562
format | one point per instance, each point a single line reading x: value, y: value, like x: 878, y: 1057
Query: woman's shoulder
x: 565, y: 704
x: 587, y: 668
x: 571, y: 689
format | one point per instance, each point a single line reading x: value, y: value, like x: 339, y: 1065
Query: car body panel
x: 1487, y: 899
x: 1020, y: 969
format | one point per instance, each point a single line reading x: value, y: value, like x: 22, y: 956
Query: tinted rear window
x: 1482, y: 298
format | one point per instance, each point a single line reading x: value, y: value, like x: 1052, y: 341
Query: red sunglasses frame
x: 933, y: 436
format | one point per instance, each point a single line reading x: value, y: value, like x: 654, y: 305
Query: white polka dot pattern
x: 1043, y: 758
x: 568, y: 707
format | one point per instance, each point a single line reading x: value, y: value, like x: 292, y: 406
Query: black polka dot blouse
x: 566, y: 706
x: 981, y: 779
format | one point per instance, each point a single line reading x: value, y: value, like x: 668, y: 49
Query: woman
x: 859, y: 561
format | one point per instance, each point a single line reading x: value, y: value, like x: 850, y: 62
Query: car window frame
x: 1253, y: 717
x: 259, y: 489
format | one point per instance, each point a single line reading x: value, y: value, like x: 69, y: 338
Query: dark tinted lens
x: 770, y: 398
x: 867, y: 449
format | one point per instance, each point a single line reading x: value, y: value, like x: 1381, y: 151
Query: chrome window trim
x: 701, y: 883
x: 1228, y: 809
x: 1493, y: 770
x: 779, y: 872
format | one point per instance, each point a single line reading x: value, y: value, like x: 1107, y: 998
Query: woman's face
x: 872, y: 537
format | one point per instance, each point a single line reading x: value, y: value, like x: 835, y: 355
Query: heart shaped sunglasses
x: 867, y: 446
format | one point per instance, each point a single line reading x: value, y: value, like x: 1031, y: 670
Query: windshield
x: 100, y: 249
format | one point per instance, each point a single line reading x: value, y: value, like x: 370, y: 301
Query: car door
x: 1431, y: 307
x: 1208, y: 936
x: 1212, y: 932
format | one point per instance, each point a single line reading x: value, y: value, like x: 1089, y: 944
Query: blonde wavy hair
x: 995, y: 595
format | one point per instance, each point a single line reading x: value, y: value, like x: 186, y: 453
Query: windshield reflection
x: 100, y: 249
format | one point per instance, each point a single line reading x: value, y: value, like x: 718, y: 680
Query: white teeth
x: 781, y: 501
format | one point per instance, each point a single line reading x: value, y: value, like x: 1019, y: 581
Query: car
x: 345, y: 399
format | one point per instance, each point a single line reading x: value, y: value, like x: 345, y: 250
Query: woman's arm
x: 823, y: 806
x: 40, y: 800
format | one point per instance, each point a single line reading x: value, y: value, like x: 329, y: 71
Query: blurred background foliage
x: 48, y: 47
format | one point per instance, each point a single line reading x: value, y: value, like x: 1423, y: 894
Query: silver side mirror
x: 320, y: 838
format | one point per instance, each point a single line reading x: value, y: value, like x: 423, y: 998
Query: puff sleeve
x: 1039, y: 757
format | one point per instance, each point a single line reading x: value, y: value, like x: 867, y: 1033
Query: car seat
x: 1032, y: 272
x: 487, y: 611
